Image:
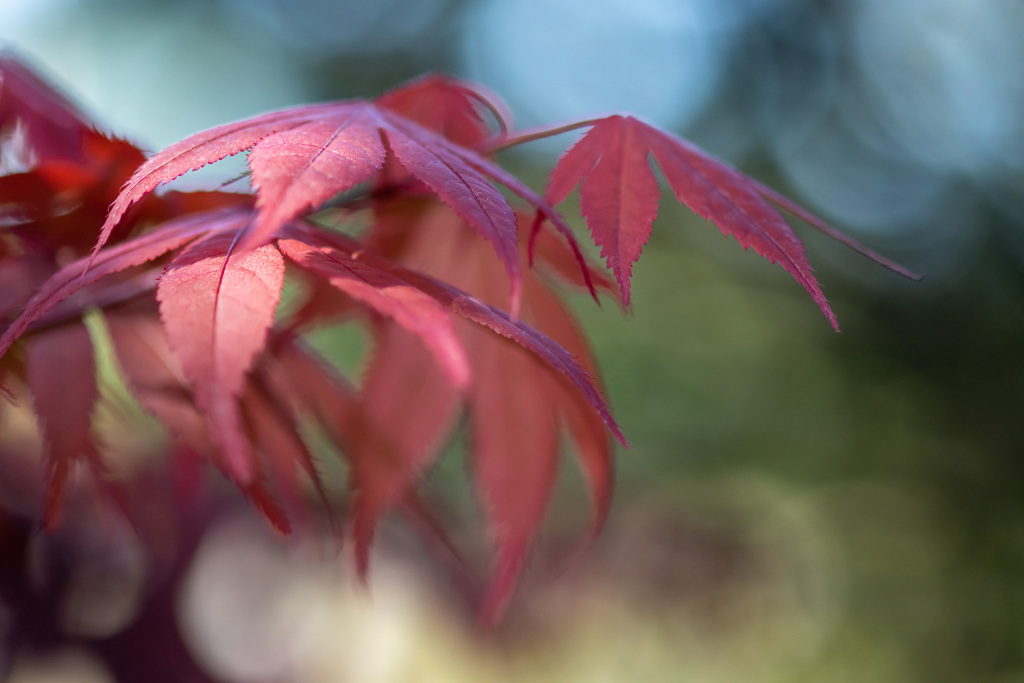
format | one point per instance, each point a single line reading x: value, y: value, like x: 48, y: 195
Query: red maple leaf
x: 270, y: 412
x: 50, y: 210
x: 517, y: 406
x: 303, y: 156
x: 456, y: 109
x: 216, y: 306
x: 64, y: 408
x: 619, y: 198
x: 190, y: 285
x: 50, y: 125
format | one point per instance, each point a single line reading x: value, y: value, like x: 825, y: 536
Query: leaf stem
x: 492, y: 103
x: 504, y: 141
x: 806, y: 216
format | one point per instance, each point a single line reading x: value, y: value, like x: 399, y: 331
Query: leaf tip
x: 619, y: 436
x: 829, y: 315
x: 362, y: 532
x: 264, y: 502
x: 499, y: 593
x: 53, y: 508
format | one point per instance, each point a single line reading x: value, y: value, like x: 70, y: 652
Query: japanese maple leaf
x: 295, y: 375
x: 49, y: 214
x: 619, y: 199
x: 63, y: 176
x: 334, y: 246
x: 460, y: 111
x: 196, y: 367
x: 217, y: 309
x: 518, y: 411
x: 56, y: 202
x: 191, y: 286
x: 50, y: 125
x: 51, y: 210
x: 456, y: 109
x: 217, y: 306
x: 154, y: 373
x: 58, y: 347
x: 517, y: 406
x: 64, y: 408
x: 303, y: 156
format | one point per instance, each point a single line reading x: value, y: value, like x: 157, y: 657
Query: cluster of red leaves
x: 454, y: 285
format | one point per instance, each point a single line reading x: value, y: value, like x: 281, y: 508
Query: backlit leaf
x: 217, y: 307
x: 619, y: 198
x: 62, y: 377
